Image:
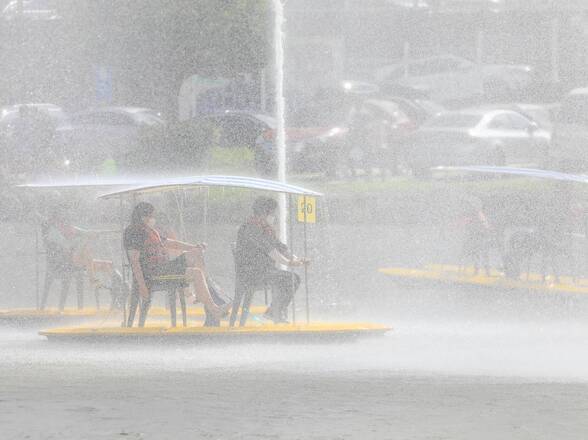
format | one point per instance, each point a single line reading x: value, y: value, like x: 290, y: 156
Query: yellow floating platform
x: 29, y: 315
x: 466, y: 276
x: 199, y: 333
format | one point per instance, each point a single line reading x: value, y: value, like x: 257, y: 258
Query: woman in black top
x: 148, y: 254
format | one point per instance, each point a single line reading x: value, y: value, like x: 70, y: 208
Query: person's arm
x: 134, y: 256
x: 279, y: 258
x: 182, y: 246
x: 291, y: 260
x: 94, y: 232
x: 284, y: 250
x: 54, y: 236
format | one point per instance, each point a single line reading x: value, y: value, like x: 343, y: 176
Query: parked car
x: 240, y: 128
x: 450, y: 78
x: 472, y: 6
x: 477, y: 137
x: 418, y: 110
x: 31, y: 10
x: 188, y: 143
x: 543, y: 114
x: 29, y: 137
x: 10, y: 113
x: 310, y: 144
x: 108, y: 134
x: 377, y: 129
x: 315, y: 143
x: 569, y: 146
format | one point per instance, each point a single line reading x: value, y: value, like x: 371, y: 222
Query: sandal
x: 97, y: 284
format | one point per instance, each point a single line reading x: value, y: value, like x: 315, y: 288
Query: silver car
x: 31, y: 10
x: 450, y: 78
x: 477, y: 137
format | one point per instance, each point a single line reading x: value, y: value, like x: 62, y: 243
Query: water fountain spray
x: 280, y: 109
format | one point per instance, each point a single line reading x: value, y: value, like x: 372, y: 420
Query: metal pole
x: 21, y: 51
x: 555, y: 49
x: 306, y: 267
x: 206, y: 200
x: 405, y: 58
x: 122, y: 260
x: 37, y: 302
x: 291, y: 223
x: 280, y: 111
x: 480, y: 47
x: 263, y: 91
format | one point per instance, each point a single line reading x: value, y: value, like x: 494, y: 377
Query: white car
x: 449, y: 78
x: 31, y: 10
x: 11, y: 113
x: 478, y: 137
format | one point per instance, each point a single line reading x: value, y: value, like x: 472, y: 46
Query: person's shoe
x: 269, y: 315
x: 221, y: 311
x: 98, y: 285
x: 226, y: 309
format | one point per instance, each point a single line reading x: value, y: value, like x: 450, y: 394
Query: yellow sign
x: 306, y: 209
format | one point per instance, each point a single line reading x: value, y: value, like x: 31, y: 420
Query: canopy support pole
x: 306, y: 290
x: 555, y: 49
x: 122, y: 260
x: 280, y: 111
x: 37, y: 299
x: 291, y: 224
x: 205, y: 214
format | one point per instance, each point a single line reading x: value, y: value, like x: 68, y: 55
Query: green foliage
x: 236, y: 159
x: 150, y: 46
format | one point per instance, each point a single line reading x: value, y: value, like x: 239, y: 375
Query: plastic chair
x: 171, y: 292
x: 244, y: 293
x: 58, y: 267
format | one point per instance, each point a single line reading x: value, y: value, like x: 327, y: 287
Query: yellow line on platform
x: 453, y: 275
x: 199, y: 331
x: 154, y: 312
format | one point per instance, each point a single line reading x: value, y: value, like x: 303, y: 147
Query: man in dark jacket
x: 258, y: 251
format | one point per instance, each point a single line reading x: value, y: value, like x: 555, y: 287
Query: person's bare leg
x: 104, y: 266
x: 86, y: 260
x: 195, y: 258
x: 83, y: 258
x: 201, y: 292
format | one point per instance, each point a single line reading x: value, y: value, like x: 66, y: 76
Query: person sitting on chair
x: 69, y: 248
x: 258, y: 251
x: 152, y: 267
x: 164, y: 227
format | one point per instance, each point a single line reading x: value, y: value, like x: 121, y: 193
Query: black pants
x: 283, y: 285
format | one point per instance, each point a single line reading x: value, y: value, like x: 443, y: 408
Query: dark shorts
x: 169, y: 274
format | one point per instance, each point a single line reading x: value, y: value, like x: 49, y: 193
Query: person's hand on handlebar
x: 297, y: 262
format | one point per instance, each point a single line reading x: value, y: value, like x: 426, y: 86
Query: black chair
x: 56, y: 271
x: 244, y: 292
x: 170, y: 290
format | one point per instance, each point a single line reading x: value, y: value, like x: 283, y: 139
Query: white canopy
x: 211, y: 181
x: 84, y: 182
x: 524, y: 172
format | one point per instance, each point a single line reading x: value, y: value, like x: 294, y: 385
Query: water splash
x: 280, y: 109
